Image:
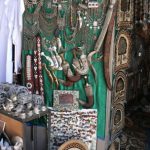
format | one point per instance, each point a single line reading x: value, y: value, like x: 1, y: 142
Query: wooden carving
x: 125, y: 14
x: 120, y: 87
x: 122, y: 54
x: 117, y: 119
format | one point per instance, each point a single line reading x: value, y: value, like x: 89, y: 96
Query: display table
x: 34, y: 137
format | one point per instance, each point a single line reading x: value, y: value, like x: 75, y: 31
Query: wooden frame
x: 65, y: 100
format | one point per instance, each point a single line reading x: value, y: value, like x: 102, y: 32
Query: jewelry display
x: 3, y: 97
x: 9, y: 106
x: 46, y: 27
x: 24, y: 98
x: 31, y: 23
x: 36, y: 77
x: 21, y: 104
x: 40, y: 76
x: 31, y: 3
x: 101, y: 37
x: 37, y: 99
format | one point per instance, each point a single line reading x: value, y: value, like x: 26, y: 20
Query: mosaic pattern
x: 78, y: 125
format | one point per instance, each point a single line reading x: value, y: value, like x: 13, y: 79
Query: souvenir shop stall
x: 68, y: 70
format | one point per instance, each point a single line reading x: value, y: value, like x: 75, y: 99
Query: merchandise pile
x: 17, y: 101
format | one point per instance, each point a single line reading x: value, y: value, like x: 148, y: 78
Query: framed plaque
x: 65, y: 100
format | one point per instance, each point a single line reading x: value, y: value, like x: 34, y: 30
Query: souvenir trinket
x: 43, y: 108
x: 37, y: 99
x: 30, y: 113
x: 36, y: 110
x: 3, y: 97
x: 17, y: 142
x: 24, y: 98
x: 22, y: 115
x: 9, y: 106
x: 40, y: 76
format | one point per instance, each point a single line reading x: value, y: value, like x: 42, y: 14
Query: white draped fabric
x: 11, y: 12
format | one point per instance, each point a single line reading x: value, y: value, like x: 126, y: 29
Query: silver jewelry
x: 36, y: 110
x: 43, y: 108
x: 22, y: 115
x: 30, y: 113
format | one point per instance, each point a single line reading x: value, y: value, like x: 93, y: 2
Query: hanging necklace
x: 31, y: 23
x: 47, y: 20
x: 47, y: 26
x: 70, y: 25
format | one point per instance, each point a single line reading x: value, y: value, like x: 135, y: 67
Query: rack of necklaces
x: 63, y: 50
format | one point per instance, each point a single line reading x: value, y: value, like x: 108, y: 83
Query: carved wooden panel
x: 125, y: 13
x: 122, y: 53
x: 120, y: 87
x: 117, y: 119
x: 115, y: 145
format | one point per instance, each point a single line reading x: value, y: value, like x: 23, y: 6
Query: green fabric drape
x: 99, y: 86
